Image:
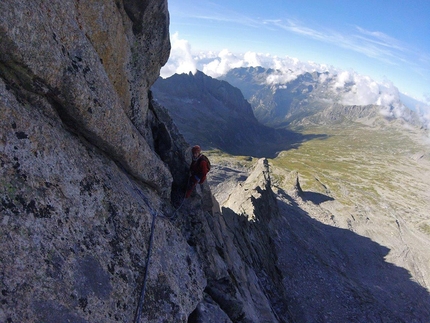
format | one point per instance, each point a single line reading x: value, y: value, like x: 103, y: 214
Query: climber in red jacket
x: 199, y: 167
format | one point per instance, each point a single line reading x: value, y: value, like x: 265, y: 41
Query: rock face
x: 91, y: 65
x: 80, y: 145
x: 91, y: 166
x: 312, y: 270
x: 88, y: 162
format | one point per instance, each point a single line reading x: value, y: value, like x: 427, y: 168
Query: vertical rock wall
x: 80, y: 146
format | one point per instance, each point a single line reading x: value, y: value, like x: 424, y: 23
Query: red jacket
x: 199, y: 168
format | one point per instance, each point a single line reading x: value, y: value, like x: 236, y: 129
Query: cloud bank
x: 361, y: 90
x: 181, y: 60
x: 216, y: 64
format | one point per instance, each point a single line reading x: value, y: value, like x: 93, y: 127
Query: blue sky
x: 386, y: 40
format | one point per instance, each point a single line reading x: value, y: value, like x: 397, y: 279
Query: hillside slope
x: 215, y: 114
x: 332, y: 271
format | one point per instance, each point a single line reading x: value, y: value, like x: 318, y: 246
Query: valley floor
x: 359, y: 228
x: 377, y: 183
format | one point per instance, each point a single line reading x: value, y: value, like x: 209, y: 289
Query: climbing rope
x: 148, y: 258
x: 154, y: 214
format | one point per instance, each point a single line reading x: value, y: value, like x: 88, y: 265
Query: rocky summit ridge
x: 284, y: 98
x: 92, y: 167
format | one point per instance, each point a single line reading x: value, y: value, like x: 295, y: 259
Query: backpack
x: 203, y: 157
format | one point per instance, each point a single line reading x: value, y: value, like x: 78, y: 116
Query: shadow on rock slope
x: 313, y: 272
x: 336, y: 275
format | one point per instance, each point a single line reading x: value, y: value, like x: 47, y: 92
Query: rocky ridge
x: 306, y: 97
x: 277, y: 105
x: 330, y: 271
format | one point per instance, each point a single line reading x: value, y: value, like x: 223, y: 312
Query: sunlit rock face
x: 91, y: 65
x: 80, y: 145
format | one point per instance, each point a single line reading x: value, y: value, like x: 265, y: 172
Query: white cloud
x: 426, y: 117
x: 374, y: 44
x: 252, y: 59
x: 214, y: 12
x: 224, y: 62
x: 287, y: 68
x: 356, y: 89
x: 389, y: 95
x: 180, y: 60
x: 342, y: 79
x: 424, y: 110
x: 281, y: 77
x: 380, y: 39
x: 350, y: 87
x: 364, y: 91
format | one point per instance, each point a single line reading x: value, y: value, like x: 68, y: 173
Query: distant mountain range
x: 251, y: 111
x: 279, y: 101
x: 279, y: 104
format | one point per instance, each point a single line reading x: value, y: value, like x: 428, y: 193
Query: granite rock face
x: 81, y: 169
x: 90, y: 168
x: 75, y: 230
x: 92, y: 65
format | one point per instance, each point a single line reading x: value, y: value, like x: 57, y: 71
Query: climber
x: 199, y: 167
